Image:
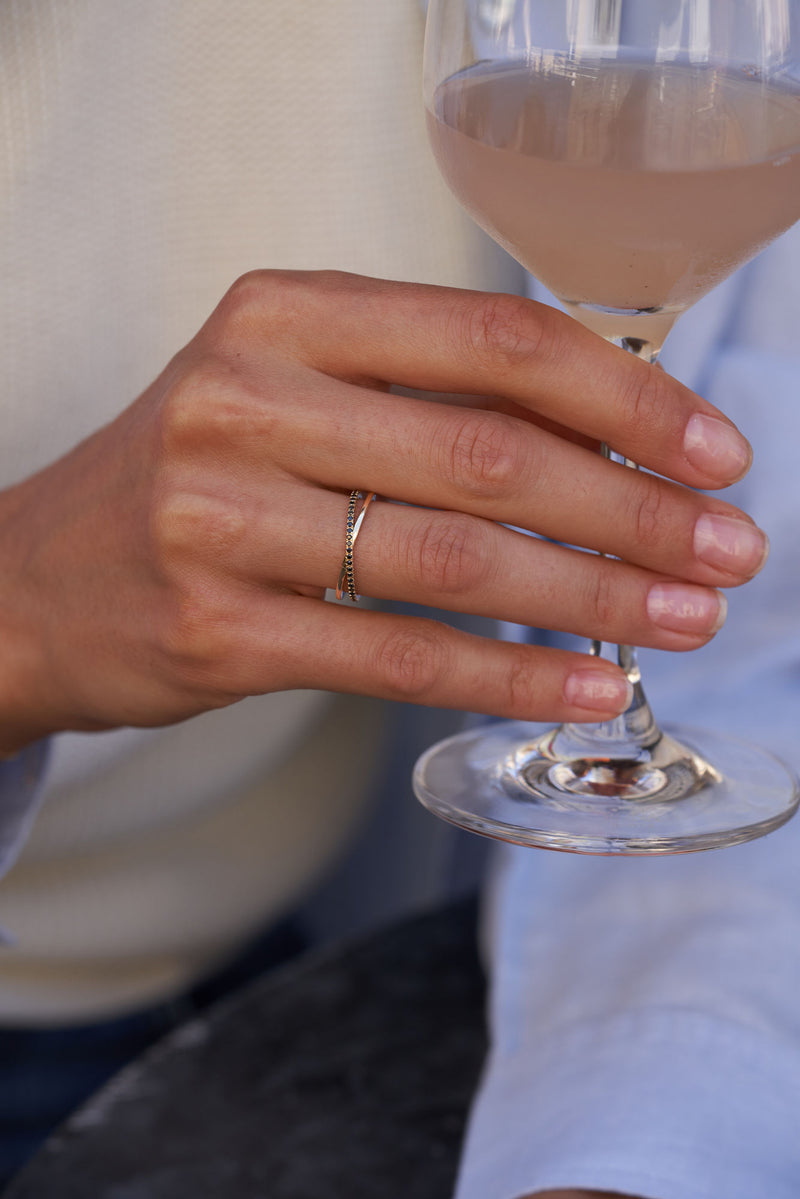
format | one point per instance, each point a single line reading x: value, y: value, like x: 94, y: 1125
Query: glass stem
x: 636, y: 728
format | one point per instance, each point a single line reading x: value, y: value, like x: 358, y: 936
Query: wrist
x: 23, y: 718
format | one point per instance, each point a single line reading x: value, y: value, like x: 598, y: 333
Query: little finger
x: 425, y: 662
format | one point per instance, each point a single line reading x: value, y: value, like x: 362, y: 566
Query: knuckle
x: 187, y: 405
x: 647, y: 514
x: 259, y: 303
x: 522, y: 686
x: 601, y: 600
x: 257, y: 293
x: 409, y: 662
x: 244, y: 304
x: 185, y: 524
x: 446, y: 554
x: 485, y: 456
x: 171, y: 528
x: 504, y: 332
x: 210, y: 408
x: 647, y: 400
x: 249, y: 288
x: 196, y: 636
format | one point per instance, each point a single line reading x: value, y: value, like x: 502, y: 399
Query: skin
x: 578, y: 1195
x: 176, y: 560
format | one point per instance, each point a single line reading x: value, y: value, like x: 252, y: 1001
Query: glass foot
x: 688, y: 791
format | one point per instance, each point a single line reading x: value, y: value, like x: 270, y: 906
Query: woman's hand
x: 177, y: 559
x: 577, y: 1195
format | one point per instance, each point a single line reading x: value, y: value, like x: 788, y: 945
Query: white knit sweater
x: 151, y: 152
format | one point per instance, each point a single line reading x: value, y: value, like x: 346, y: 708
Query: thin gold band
x: 347, y: 578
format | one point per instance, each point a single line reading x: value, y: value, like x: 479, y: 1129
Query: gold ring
x: 347, y: 578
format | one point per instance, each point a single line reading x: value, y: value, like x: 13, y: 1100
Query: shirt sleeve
x: 21, y: 780
x: 645, y: 1034
x: 645, y: 1031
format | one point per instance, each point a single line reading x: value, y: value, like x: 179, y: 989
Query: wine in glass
x: 630, y: 154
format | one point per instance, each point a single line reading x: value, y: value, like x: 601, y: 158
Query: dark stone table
x: 345, y: 1075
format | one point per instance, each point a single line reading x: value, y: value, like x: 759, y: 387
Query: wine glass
x: 630, y: 154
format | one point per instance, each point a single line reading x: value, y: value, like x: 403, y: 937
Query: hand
x: 578, y: 1195
x: 177, y: 559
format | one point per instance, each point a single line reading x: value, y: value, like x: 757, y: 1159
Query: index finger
x: 445, y: 339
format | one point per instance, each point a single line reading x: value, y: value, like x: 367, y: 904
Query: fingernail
x: 686, y: 609
x: 716, y: 448
x: 599, y: 691
x: 730, y: 544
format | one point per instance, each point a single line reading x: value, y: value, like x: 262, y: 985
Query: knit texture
x: 152, y: 152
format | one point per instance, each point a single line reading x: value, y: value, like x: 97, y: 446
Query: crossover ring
x: 355, y: 519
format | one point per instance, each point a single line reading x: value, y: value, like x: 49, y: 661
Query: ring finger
x: 457, y: 562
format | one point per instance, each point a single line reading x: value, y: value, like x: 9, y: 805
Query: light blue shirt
x: 644, y: 1016
x: 20, y: 792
